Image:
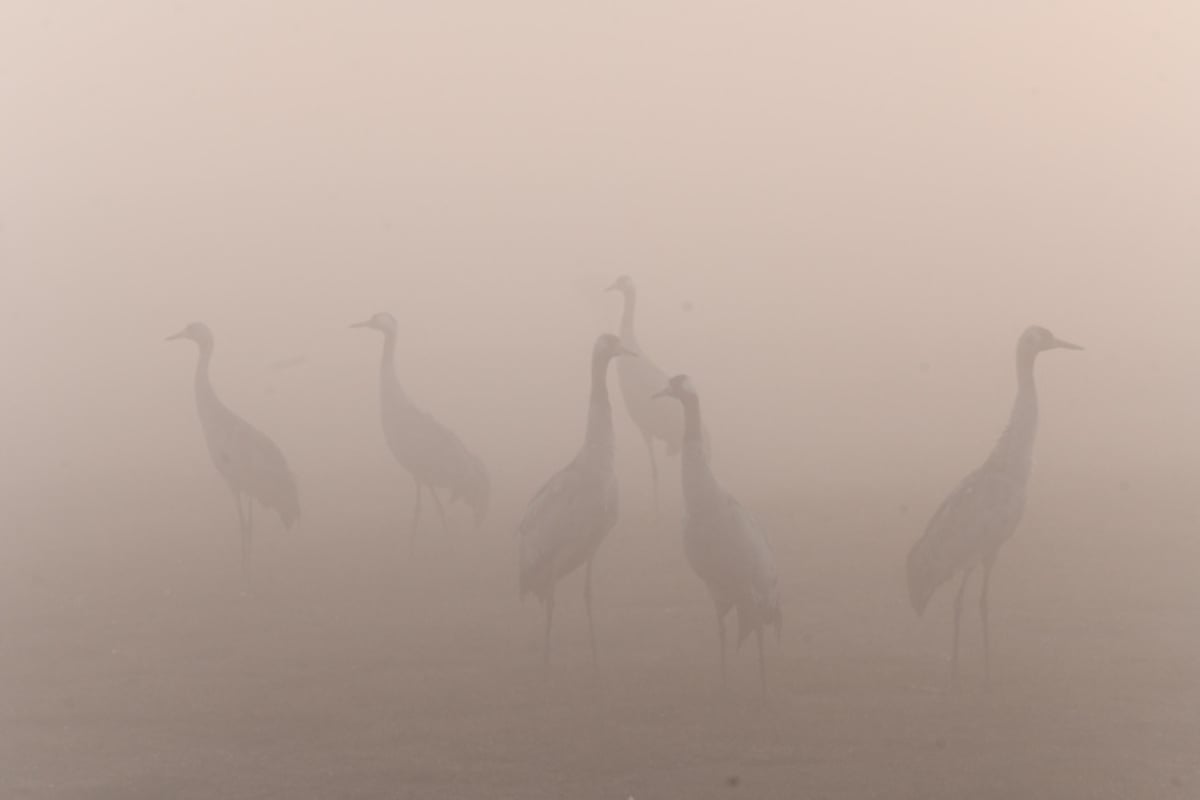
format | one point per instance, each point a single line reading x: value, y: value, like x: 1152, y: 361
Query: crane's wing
x: 473, y: 485
x: 731, y: 552
x: 757, y: 572
x: 446, y: 460
x: 975, y: 519
x: 758, y: 549
x: 562, y: 523
x: 254, y: 465
x: 426, y: 447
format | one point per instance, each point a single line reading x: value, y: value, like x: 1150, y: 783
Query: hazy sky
x: 843, y: 192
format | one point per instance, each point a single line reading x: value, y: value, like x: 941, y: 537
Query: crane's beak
x: 614, y: 287
x: 664, y: 393
x: 625, y: 351
x: 365, y: 324
x: 175, y: 336
x: 1066, y: 345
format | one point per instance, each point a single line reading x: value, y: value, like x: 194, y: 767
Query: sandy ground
x: 133, y: 667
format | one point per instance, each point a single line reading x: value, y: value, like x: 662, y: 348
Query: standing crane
x: 723, y: 543
x: 984, y: 510
x: 640, y: 378
x: 251, y: 464
x: 436, y: 458
x: 571, y: 514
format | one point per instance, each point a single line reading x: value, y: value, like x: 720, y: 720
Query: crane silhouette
x: 571, y: 514
x: 639, y: 379
x: 984, y: 510
x: 723, y: 543
x: 251, y: 464
x: 431, y: 452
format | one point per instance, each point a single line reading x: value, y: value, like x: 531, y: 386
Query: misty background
x: 839, y: 217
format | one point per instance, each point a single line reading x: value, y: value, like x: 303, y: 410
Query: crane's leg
x: 549, y: 619
x: 237, y: 503
x: 587, y: 601
x: 241, y: 514
x: 983, y: 615
x: 957, y: 615
x: 721, y: 641
x: 441, y: 508
x: 762, y: 662
x: 247, y: 565
x: 416, y: 517
x: 653, y: 470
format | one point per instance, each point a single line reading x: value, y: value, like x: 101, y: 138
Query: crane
x: 571, y: 514
x: 722, y: 541
x: 984, y: 510
x: 251, y: 464
x: 640, y: 378
x: 431, y: 452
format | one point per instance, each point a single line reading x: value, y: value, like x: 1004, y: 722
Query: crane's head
x: 926, y: 572
x: 680, y: 387
x: 608, y: 346
x: 382, y: 322
x: 198, y: 332
x: 1037, y: 339
x: 623, y: 284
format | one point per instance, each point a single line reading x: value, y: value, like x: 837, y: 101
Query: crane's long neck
x: 699, y: 483
x: 598, y: 441
x: 389, y: 386
x: 628, y: 336
x: 206, y: 396
x: 1013, y: 453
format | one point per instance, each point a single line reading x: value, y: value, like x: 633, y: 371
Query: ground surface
x: 134, y: 668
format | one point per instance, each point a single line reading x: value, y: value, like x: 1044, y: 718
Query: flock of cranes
x: 568, y: 519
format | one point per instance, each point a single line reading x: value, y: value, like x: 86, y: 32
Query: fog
x: 839, y: 217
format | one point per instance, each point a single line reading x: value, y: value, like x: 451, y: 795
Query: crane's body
x: 723, y: 543
x: 984, y: 510
x: 251, y: 464
x: 639, y: 379
x: 431, y: 452
x: 571, y: 514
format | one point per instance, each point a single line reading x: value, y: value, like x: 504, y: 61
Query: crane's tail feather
x: 531, y: 579
x: 284, y: 499
x: 750, y: 619
x: 289, y: 512
x: 526, y: 586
